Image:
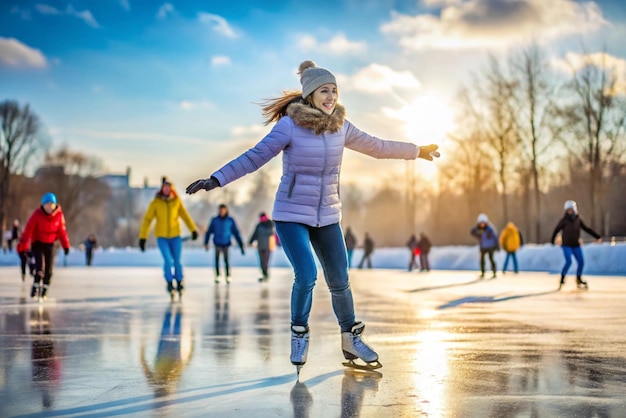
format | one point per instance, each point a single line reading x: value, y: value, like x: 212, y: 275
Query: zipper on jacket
x: 292, y: 185
x: 319, y: 205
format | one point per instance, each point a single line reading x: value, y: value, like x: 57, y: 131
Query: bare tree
x: 597, y: 119
x: 535, y: 112
x: 19, y: 141
x: 489, y: 108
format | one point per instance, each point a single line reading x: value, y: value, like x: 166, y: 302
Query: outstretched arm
x: 249, y: 161
x: 589, y: 230
x: 365, y: 143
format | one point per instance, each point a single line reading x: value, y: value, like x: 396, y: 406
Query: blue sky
x: 172, y: 87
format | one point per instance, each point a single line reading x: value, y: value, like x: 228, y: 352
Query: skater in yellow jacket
x: 167, y: 208
x: 510, y: 241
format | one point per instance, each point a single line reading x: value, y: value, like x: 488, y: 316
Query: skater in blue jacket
x: 488, y: 242
x: 223, y: 228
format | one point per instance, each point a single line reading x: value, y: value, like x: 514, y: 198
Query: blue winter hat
x: 49, y: 198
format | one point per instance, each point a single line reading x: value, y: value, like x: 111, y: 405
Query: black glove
x: 427, y: 152
x: 142, y: 244
x: 202, y: 184
x: 194, y: 235
x: 66, y: 251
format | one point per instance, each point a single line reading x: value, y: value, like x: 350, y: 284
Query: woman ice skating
x: 223, y: 228
x: 488, y: 242
x: 265, y: 237
x: 167, y: 208
x: 570, y: 226
x: 44, y: 227
x: 312, y: 131
x: 510, y: 242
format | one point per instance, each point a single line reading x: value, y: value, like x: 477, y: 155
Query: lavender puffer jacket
x: 309, y: 187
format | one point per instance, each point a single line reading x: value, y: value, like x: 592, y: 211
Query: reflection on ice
x: 355, y: 385
x: 175, y: 349
x: 46, y: 362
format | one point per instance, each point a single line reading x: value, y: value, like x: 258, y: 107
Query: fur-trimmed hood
x: 311, y: 118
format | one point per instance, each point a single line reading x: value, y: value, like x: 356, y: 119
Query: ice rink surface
x: 108, y: 342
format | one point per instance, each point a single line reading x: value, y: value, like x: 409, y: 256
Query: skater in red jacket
x: 44, y: 227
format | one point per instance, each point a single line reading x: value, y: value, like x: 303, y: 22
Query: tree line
x: 527, y: 138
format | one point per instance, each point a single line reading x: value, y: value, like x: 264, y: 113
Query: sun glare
x: 428, y: 119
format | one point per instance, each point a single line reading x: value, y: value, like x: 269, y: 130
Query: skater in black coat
x: 265, y: 236
x: 570, y: 226
x: 424, y: 245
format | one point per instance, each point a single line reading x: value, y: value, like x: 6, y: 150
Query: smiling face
x: 325, y: 98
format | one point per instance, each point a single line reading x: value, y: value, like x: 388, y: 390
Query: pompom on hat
x: 312, y: 77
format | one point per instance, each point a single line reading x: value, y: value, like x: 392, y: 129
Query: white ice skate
x: 299, y: 346
x: 354, y: 347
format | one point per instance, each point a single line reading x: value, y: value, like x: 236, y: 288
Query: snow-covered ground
x: 605, y: 259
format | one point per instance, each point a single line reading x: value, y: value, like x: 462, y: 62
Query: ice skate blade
x: 367, y: 366
x: 298, y: 368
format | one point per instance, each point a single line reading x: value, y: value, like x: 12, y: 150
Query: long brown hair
x: 274, y: 109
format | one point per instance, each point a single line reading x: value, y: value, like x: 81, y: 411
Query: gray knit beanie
x: 312, y: 76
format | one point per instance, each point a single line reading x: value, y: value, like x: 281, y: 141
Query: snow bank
x: 599, y: 258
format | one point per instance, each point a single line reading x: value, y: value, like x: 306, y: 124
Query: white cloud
x: 195, y: 105
x: 337, y: 45
x: 165, y: 10
x: 125, y: 4
x: 574, y: 61
x: 15, y: 54
x: 85, y: 15
x: 377, y: 78
x: 218, y: 23
x: 220, y: 60
x: 494, y: 23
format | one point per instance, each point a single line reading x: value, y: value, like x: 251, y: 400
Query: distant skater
x: 350, y: 240
x: 44, y: 227
x: 510, y: 242
x: 570, y: 226
x: 167, y: 208
x: 223, y: 228
x: 265, y: 237
x: 368, y: 249
x: 413, y: 252
x: 90, y: 245
x: 488, y: 242
x: 424, y: 246
x: 27, y: 259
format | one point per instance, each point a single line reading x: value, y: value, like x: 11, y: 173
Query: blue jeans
x: 577, y: 252
x: 512, y: 255
x: 328, y: 244
x: 171, y: 249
